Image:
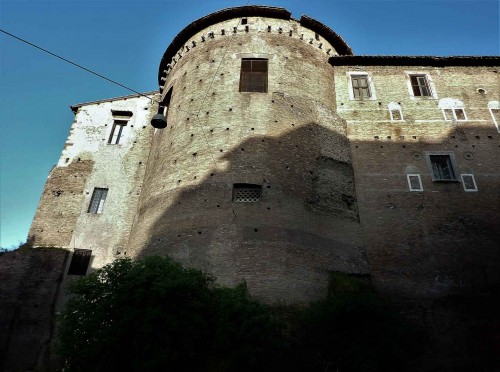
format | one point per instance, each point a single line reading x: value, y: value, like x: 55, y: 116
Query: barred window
x: 80, y: 262
x: 98, y: 199
x: 246, y: 193
x: 253, y: 76
x: 442, y: 168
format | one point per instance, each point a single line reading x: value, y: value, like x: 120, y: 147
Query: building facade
x: 286, y: 158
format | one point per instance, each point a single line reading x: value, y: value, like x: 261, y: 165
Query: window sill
x: 362, y: 99
x: 446, y: 181
x: 424, y: 97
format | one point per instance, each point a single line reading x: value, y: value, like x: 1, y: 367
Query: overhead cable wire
x: 75, y: 64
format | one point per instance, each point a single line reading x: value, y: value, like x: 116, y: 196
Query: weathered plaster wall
x: 288, y: 140
x: 88, y: 161
x: 29, y: 287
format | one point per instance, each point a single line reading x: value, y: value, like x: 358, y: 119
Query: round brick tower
x: 252, y: 178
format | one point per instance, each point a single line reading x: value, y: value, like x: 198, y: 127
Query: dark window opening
x: 80, y: 262
x: 117, y: 132
x: 98, y: 199
x: 244, y: 21
x: 125, y: 114
x: 165, y: 103
x: 247, y: 193
x: 396, y: 115
x: 469, y: 182
x: 253, y: 76
x: 442, y: 168
x: 420, y: 85
x: 360, y: 86
x: 415, y: 182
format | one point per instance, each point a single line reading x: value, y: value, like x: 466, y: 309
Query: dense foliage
x: 353, y: 329
x: 153, y: 314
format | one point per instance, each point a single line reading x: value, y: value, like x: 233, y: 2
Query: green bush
x: 353, y: 329
x: 153, y: 314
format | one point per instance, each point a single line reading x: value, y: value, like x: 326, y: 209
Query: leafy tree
x: 153, y: 314
x: 353, y: 329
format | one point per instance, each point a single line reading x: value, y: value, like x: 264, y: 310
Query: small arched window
x: 395, y: 111
x: 453, y: 109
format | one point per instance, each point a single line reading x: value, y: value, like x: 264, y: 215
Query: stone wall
x: 434, y: 252
x: 289, y: 140
x: 29, y: 287
x: 89, y: 161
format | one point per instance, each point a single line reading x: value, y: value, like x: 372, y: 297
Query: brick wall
x: 29, y: 287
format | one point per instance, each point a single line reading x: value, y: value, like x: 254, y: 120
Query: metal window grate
x: 247, y: 193
x: 442, y: 168
x: 98, y: 199
x: 253, y: 76
x: 80, y: 262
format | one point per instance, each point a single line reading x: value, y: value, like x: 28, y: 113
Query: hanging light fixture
x: 159, y: 121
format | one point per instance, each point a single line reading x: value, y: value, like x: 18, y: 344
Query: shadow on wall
x: 434, y: 251
x: 442, y: 240
x: 427, y: 243
x: 305, y: 225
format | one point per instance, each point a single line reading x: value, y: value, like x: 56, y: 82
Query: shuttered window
x: 253, y: 76
x: 360, y: 86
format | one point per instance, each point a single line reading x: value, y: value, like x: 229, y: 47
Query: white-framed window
x: 361, y: 86
x: 453, y: 109
x: 469, y: 182
x: 96, y: 205
x: 118, y: 129
x: 454, y: 114
x: 420, y: 84
x: 117, y: 132
x: 442, y: 165
x: 494, y: 108
x: 395, y: 111
x: 414, y: 182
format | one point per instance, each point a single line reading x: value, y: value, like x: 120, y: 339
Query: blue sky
x: 125, y: 41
